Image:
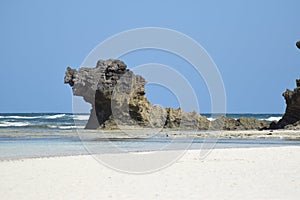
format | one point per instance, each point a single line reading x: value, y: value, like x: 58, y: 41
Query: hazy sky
x: 251, y: 42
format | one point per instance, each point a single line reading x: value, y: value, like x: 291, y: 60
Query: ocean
x: 26, y: 135
x: 69, y: 121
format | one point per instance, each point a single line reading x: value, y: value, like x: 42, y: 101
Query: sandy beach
x: 244, y: 173
x: 152, y: 100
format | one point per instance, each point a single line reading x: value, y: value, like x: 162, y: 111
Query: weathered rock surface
x: 242, y: 123
x: 117, y: 97
x: 292, y: 112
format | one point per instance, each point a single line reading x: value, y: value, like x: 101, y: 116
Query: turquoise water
x: 13, y: 148
x: 54, y: 134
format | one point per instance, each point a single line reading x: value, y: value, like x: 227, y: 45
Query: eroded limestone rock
x: 117, y: 97
x: 292, y: 112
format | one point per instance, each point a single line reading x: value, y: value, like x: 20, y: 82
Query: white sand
x: 255, y: 173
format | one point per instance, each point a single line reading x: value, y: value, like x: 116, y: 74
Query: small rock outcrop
x: 242, y: 123
x: 298, y: 44
x: 291, y: 116
x: 117, y: 97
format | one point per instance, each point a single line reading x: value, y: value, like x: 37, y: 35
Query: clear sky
x: 251, y: 42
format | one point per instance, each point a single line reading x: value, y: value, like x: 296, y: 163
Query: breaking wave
x: 55, y: 116
x: 272, y: 119
x: 81, y: 117
x: 13, y: 124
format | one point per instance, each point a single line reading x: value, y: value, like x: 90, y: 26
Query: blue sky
x: 251, y: 42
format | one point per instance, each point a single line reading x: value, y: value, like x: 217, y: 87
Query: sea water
x: 68, y: 121
x: 25, y: 135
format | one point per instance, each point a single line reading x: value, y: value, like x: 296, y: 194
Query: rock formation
x: 292, y: 112
x: 243, y: 123
x: 117, y: 97
x: 298, y: 44
x: 291, y: 118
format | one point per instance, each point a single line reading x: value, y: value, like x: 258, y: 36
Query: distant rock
x: 242, y: 123
x: 292, y: 112
x: 252, y: 123
x: 298, y: 44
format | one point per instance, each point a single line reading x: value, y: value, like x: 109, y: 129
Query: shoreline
x: 248, y: 173
x: 210, y: 144
x: 131, y: 152
x: 135, y: 133
x: 27, y: 145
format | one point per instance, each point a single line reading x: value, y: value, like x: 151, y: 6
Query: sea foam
x: 272, y: 119
x: 54, y: 116
x: 81, y: 117
x: 13, y: 124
